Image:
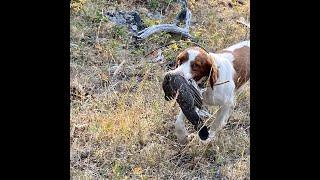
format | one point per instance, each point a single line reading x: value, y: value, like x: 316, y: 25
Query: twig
x: 220, y: 83
x: 98, y: 30
x: 118, y: 68
x: 241, y: 21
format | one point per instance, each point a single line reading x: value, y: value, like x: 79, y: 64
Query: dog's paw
x: 210, y: 139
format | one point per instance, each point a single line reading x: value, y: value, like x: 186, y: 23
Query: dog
x: 230, y: 65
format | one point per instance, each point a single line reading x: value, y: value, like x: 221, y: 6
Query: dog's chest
x: 216, y: 96
x: 223, y: 93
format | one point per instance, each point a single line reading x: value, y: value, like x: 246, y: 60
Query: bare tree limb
x: 163, y: 27
x: 188, y: 19
x: 184, y: 15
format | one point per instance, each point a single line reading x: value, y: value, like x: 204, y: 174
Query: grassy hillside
x: 121, y: 126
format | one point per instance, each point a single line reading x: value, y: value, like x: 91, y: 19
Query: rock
x: 150, y: 15
x: 128, y: 17
x: 132, y: 19
x: 134, y: 27
x: 137, y: 19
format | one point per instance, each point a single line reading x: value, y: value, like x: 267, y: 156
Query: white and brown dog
x: 231, y: 64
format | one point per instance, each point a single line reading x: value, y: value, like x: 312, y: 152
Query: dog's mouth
x: 173, y: 83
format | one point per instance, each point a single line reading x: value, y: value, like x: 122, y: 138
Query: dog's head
x: 195, y: 63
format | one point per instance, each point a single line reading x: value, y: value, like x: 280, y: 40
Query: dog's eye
x: 194, y: 65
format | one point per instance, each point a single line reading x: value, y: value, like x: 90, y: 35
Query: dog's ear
x: 213, y: 76
x: 213, y: 71
x: 181, y: 58
x: 177, y: 63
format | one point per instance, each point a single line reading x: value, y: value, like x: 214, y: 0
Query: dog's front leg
x: 221, y: 120
x: 180, y: 128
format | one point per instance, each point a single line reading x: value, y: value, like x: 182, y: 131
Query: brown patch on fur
x: 202, y: 65
x: 182, y: 57
x: 214, y: 74
x: 241, y: 65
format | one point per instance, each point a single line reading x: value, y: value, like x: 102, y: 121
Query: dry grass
x: 121, y: 126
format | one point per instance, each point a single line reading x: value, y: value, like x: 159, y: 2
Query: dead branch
x: 184, y: 15
x: 242, y: 21
x: 163, y: 27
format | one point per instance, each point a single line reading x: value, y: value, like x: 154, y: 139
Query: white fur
x: 185, y: 68
x: 221, y: 95
x: 238, y: 45
x: 180, y: 128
